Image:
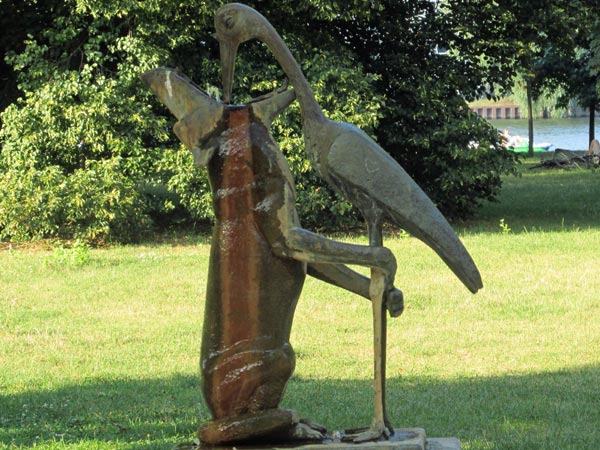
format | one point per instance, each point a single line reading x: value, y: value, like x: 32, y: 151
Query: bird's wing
x: 359, y: 166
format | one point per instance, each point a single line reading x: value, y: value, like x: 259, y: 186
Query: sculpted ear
x: 185, y: 133
x: 197, y: 132
x: 269, y: 107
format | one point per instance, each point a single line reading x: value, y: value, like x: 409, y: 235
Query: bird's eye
x: 229, y: 22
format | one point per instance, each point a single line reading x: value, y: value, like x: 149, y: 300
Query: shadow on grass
x: 131, y: 414
x: 556, y: 410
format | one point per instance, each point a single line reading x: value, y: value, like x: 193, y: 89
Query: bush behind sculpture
x: 88, y: 153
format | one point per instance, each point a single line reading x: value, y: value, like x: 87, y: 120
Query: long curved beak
x: 440, y: 236
x: 408, y: 206
x: 228, y: 51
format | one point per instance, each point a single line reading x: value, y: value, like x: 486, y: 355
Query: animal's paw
x: 307, y: 430
x: 394, y: 302
x: 314, y: 425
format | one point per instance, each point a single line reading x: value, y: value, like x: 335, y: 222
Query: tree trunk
x: 530, y: 114
x: 592, y: 133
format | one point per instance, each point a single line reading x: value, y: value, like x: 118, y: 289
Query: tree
x: 426, y: 124
x: 84, y: 123
x: 83, y: 119
x: 573, y: 68
x: 18, y: 18
x: 512, y: 37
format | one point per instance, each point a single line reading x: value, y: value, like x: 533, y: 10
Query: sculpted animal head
x: 199, y: 114
x: 236, y: 23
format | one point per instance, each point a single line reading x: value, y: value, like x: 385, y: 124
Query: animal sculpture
x: 258, y: 262
x: 354, y: 165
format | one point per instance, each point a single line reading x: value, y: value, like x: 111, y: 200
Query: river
x: 570, y: 134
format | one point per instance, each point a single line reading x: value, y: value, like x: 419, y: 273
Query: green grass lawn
x: 99, y: 349
x: 544, y: 199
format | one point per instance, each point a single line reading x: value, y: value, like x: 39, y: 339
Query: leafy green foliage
x: 550, y: 46
x: 96, y: 203
x: 425, y: 122
x: 84, y: 135
x: 573, y: 68
x: 76, y: 255
x: 89, y: 152
x: 19, y: 18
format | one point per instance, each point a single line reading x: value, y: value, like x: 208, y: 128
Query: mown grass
x: 544, y: 199
x: 99, y: 349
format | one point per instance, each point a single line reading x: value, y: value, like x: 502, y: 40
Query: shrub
x: 94, y: 204
x: 88, y: 151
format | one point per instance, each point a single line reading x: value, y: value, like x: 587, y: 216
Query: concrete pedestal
x: 403, y: 439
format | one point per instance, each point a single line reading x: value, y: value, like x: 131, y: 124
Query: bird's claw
x: 369, y: 435
x: 375, y: 433
x: 314, y: 425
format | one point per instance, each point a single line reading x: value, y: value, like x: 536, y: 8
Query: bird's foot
x: 389, y: 426
x: 377, y: 432
x: 370, y: 435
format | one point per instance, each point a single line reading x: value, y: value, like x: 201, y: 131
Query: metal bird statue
x: 353, y: 164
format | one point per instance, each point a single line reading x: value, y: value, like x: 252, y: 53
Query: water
x: 570, y: 134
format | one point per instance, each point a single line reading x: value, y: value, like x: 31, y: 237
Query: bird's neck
x: 308, y: 104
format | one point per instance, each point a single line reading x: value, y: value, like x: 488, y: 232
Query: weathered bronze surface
x: 261, y: 254
x: 352, y: 163
x: 258, y: 262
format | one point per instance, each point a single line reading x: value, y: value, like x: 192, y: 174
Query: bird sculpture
x: 357, y: 167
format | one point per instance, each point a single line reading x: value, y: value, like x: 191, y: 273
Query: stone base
x: 403, y: 439
x: 443, y: 444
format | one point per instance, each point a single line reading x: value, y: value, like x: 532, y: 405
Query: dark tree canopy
x: 88, y: 152
x: 18, y: 20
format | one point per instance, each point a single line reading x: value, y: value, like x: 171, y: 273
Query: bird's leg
x: 380, y: 427
x: 376, y: 240
x: 288, y: 239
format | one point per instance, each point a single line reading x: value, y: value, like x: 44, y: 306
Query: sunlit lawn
x: 545, y: 199
x: 103, y: 353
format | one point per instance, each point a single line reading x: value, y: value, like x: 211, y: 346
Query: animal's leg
x: 306, y: 246
x: 312, y: 248
x: 346, y: 278
x: 273, y: 424
x: 289, y: 240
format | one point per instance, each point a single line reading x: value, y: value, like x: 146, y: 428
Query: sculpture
x: 258, y: 262
x: 353, y: 164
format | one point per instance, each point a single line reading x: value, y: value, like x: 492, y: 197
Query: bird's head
x: 236, y: 23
